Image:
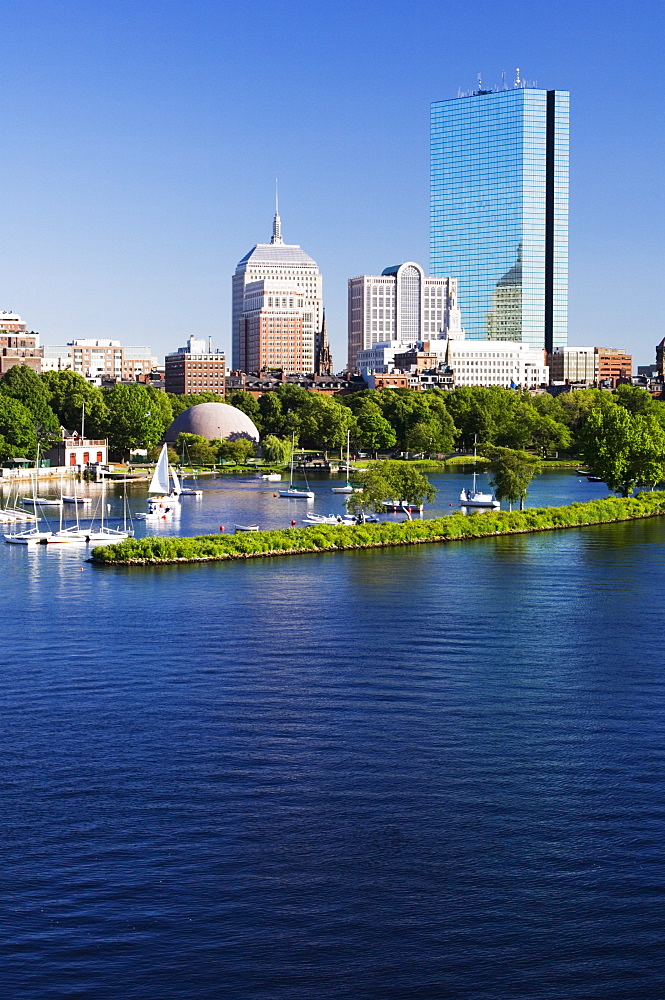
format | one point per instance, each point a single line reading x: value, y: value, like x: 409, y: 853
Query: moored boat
x: 399, y: 506
x: 293, y: 493
x: 475, y: 497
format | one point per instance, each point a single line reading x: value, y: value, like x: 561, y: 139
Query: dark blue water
x: 426, y: 773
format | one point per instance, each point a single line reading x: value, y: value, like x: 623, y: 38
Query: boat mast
x: 475, y: 438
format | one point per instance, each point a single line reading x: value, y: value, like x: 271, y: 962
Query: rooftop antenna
x: 277, y: 223
x: 503, y: 79
x: 480, y: 83
x: 518, y: 82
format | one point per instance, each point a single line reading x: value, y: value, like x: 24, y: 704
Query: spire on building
x: 323, y: 359
x: 277, y: 223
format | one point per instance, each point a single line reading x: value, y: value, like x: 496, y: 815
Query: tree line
x: 620, y: 436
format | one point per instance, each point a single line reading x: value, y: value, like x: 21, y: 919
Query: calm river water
x: 417, y: 774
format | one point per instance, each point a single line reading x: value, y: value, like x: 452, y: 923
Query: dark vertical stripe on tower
x: 549, y: 223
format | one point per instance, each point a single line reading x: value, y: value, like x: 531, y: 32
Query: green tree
x: 137, y: 417
x: 271, y: 414
x: 26, y: 386
x: 518, y: 429
x: 324, y: 421
x: 634, y: 399
x: 371, y: 429
x: 68, y: 394
x: 549, y: 433
x: 247, y: 403
x: 238, y: 450
x: 511, y: 472
x: 478, y: 412
x: 430, y: 427
x: 390, y: 481
x: 276, y: 451
x: 194, y: 449
x: 18, y: 438
x: 294, y: 401
x: 160, y: 407
x: 623, y: 449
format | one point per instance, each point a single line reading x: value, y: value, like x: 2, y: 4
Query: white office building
x: 497, y: 362
x: 474, y: 362
x: 56, y: 357
x: 401, y: 305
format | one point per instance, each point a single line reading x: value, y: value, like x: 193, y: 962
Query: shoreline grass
x: 152, y: 551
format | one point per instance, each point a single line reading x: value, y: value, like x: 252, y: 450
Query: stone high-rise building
x: 277, y: 308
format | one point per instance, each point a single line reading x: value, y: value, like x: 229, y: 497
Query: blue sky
x: 141, y: 143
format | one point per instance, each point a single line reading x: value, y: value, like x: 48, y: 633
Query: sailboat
x: 188, y: 491
x: 105, y: 534
x: 292, y: 492
x: 165, y: 486
x: 474, y: 497
x: 347, y: 488
x: 33, y: 536
x: 92, y: 534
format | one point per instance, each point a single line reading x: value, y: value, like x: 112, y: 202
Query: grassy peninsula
x: 328, y: 538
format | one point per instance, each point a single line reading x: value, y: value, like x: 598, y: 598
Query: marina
x: 246, y: 500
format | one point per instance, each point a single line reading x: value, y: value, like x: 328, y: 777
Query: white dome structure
x: 213, y: 420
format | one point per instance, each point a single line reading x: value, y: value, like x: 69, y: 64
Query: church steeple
x: 277, y: 223
x: 323, y: 364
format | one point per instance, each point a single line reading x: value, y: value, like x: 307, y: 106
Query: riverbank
x: 329, y: 538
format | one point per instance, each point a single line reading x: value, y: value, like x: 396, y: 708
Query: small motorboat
x: 272, y: 477
x: 581, y: 472
x: 189, y: 491
x: 74, y: 499
x: 594, y: 479
x: 399, y: 506
x: 323, y: 519
x: 246, y: 527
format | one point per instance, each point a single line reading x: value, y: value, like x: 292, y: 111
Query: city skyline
x: 136, y: 178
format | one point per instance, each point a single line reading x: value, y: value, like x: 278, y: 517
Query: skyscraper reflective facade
x: 499, y: 211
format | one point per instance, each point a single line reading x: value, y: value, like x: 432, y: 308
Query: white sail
x: 160, y: 477
x: 177, y: 489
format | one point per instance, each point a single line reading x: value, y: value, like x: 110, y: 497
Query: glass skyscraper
x: 499, y: 211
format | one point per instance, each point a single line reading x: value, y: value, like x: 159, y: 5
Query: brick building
x: 195, y: 369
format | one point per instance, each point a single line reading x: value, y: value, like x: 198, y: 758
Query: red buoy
x: 293, y: 524
x: 221, y: 527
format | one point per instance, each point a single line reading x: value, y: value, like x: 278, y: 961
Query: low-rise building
x: 195, y: 368
x: 76, y: 452
x: 574, y: 364
x: 95, y: 359
x: 57, y: 358
x: 17, y: 346
x: 257, y: 385
x: 613, y: 364
x: 497, y: 362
